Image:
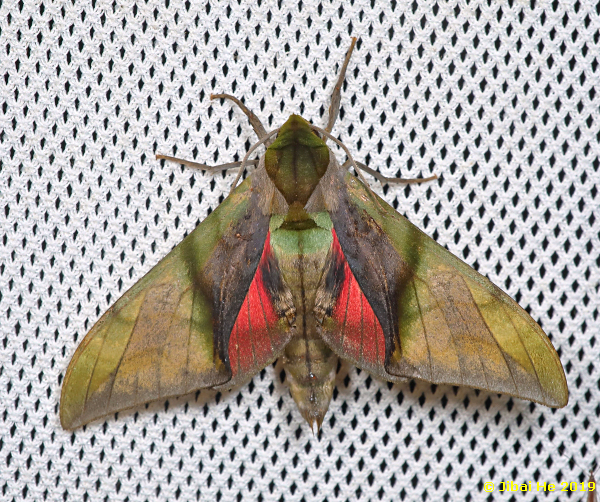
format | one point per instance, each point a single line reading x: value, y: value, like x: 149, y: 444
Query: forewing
x: 169, y: 334
x: 441, y: 321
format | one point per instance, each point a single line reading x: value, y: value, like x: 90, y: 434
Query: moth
x: 303, y: 261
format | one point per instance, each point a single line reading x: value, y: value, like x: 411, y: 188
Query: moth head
x: 296, y: 160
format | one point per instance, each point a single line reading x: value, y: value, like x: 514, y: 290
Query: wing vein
x: 362, y: 325
x: 187, y: 350
x: 496, y: 341
x: 116, y: 370
x: 526, y: 351
x: 456, y: 351
x: 389, y: 314
x: 250, y: 331
x: 492, y: 336
x: 237, y: 348
x: 473, y: 337
x: 161, y: 350
x: 425, y: 332
x: 264, y: 313
x: 346, y: 309
x: 87, y: 389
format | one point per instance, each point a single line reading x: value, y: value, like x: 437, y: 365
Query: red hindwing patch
x: 251, y: 343
x: 360, y: 334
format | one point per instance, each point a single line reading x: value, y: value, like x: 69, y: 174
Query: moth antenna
x: 339, y: 143
x: 336, y: 94
x: 245, y: 160
x: 384, y: 179
x: 204, y: 167
x: 254, y: 120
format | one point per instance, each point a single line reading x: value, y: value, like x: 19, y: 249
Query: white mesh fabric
x: 500, y: 99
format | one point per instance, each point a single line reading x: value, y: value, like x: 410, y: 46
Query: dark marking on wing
x: 230, y: 271
x: 380, y: 272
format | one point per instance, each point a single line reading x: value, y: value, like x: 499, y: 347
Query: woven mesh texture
x: 500, y: 99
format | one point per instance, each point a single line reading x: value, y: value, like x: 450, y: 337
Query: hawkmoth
x: 303, y: 261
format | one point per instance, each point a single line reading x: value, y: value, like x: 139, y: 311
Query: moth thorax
x: 297, y: 218
x: 296, y: 160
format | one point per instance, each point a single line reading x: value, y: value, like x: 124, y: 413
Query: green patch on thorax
x: 312, y: 236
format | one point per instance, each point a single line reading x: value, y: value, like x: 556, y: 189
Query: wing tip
x: 68, y: 420
x: 557, y: 394
x: 68, y: 415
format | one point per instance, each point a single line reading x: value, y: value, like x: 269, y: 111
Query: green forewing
x: 450, y: 324
x: 159, y: 339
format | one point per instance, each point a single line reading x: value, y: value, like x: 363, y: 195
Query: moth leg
x: 334, y: 107
x: 204, y: 167
x: 384, y: 179
x: 254, y: 120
